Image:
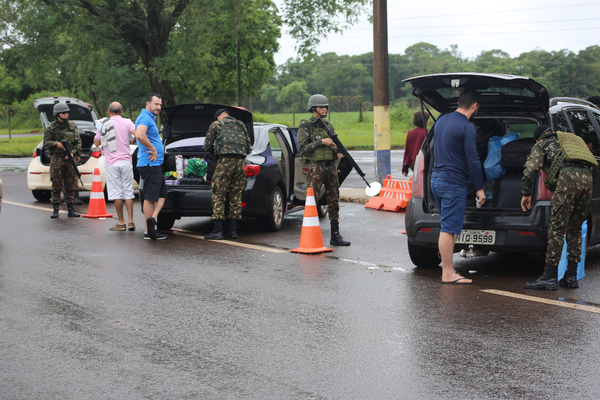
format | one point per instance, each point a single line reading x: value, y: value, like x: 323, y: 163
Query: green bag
x: 196, y: 167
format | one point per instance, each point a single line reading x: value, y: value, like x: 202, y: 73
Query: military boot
x: 336, y: 238
x: 570, y: 278
x: 217, y: 233
x: 71, y: 211
x: 547, y: 281
x: 232, y: 229
x: 55, y: 211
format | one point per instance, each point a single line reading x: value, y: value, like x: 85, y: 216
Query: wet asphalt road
x: 86, y: 313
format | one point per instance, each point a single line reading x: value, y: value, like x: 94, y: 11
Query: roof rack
x: 555, y: 100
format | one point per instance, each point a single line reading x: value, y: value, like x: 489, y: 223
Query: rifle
x: 69, y: 154
x: 376, y: 185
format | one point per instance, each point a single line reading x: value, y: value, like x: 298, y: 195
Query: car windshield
x: 524, y: 130
x: 76, y: 113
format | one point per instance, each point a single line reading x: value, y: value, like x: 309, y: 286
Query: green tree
x: 294, y: 92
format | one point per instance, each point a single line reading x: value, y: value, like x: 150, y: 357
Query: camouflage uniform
x: 229, y: 142
x: 570, y: 200
x: 323, y: 167
x: 62, y: 174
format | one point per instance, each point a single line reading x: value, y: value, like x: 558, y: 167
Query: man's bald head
x: 115, y: 108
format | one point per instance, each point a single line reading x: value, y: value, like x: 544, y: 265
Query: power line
x: 484, y: 25
x: 596, y: 3
x: 465, y: 34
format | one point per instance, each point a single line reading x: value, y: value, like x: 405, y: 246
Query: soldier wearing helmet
x: 319, y: 151
x: 62, y: 174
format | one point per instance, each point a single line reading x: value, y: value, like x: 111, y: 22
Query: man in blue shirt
x: 151, y: 155
x: 455, y: 163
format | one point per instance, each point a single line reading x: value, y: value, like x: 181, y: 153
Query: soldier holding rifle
x: 319, y: 150
x: 63, y: 143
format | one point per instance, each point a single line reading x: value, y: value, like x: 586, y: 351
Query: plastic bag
x: 196, y: 167
x: 493, y: 162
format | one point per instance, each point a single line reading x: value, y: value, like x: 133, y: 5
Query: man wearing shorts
x: 151, y: 155
x: 114, y: 135
x: 455, y: 163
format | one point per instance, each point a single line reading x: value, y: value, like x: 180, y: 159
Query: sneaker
x: 159, y: 236
x: 152, y: 229
x: 118, y: 227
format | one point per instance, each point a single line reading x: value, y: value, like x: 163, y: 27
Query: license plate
x: 476, y: 237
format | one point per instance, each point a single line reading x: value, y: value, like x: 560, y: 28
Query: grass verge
x: 23, y: 145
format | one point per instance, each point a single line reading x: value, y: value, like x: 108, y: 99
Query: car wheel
x: 42, y: 195
x: 423, y: 257
x: 165, y: 222
x: 273, y: 222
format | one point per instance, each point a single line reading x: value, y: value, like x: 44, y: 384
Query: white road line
x: 575, y: 306
x: 181, y: 232
x: 28, y: 206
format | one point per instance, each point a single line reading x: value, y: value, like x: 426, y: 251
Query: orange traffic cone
x: 311, y: 239
x: 97, y: 206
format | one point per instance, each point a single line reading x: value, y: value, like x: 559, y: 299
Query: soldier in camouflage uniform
x: 318, y: 149
x: 569, y: 209
x: 228, y: 141
x: 62, y: 174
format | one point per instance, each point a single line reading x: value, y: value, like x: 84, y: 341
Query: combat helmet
x: 317, y: 100
x: 60, y: 108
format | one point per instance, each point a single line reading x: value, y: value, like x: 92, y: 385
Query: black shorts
x: 154, y: 183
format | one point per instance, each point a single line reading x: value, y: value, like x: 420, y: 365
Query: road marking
x: 575, y: 306
x: 181, y: 232
x: 28, y: 206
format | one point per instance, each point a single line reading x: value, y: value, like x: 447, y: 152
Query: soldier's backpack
x: 573, y: 149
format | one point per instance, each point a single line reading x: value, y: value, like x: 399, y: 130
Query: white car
x: 83, y: 115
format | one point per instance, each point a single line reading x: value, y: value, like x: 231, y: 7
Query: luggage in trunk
x: 515, y: 153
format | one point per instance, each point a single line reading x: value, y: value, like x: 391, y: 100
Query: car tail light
x: 526, y: 233
x: 417, y: 180
x: 243, y: 204
x: 251, y: 170
x: 34, y: 153
x: 97, y: 153
x: 542, y: 193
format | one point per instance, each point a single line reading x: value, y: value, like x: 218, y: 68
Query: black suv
x: 508, y: 104
x: 275, y: 175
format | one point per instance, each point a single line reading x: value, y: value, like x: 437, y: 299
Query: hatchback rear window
x: 451, y: 93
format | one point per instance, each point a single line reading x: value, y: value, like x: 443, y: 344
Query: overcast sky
x: 513, y: 26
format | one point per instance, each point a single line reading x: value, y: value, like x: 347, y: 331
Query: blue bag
x: 562, y: 265
x: 493, y: 162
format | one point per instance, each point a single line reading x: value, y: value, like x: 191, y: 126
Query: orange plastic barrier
x: 311, y: 239
x: 97, y: 206
x: 394, y: 195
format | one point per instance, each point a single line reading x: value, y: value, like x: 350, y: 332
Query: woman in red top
x: 414, y: 140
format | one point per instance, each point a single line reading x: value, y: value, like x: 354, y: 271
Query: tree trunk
x: 163, y: 88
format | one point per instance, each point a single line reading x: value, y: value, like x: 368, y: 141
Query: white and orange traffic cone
x: 97, y: 206
x: 311, y: 239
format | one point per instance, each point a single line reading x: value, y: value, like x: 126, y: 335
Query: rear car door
x: 586, y: 124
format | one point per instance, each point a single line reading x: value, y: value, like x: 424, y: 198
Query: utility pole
x: 381, y: 90
x: 239, y: 69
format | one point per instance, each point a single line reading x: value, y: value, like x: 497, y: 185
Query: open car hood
x: 80, y: 112
x: 499, y: 93
x: 193, y: 120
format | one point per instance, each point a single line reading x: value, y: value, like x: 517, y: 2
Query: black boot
x: 55, y: 212
x: 232, y: 229
x: 217, y: 233
x: 570, y: 278
x: 547, y: 281
x: 336, y: 238
x: 71, y: 211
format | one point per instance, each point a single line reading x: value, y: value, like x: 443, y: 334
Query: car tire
x: 42, y: 195
x: 165, y: 223
x: 423, y: 257
x: 273, y: 221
